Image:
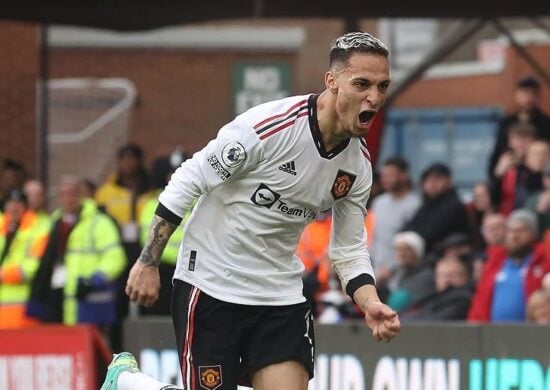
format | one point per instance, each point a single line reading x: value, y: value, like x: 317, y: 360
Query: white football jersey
x: 258, y: 183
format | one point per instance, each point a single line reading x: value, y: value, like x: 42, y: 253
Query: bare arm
x: 160, y: 232
x: 383, y: 321
x: 143, y: 283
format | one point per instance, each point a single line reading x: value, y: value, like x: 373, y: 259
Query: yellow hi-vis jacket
x: 93, y: 246
x: 19, y: 267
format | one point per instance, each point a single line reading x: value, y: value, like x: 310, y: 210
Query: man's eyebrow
x: 367, y: 80
x: 361, y: 78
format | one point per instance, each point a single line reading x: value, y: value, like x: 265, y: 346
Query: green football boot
x: 121, y: 362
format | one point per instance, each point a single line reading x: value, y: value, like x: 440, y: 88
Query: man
x: 238, y: 307
x: 123, y: 196
x: 513, y: 179
x: 22, y: 239
x: 441, y: 213
x: 512, y: 273
x: 12, y: 177
x: 528, y: 98
x: 394, y: 208
x: 412, y: 279
x: 83, y: 257
x: 34, y: 190
x: 124, y: 193
x: 453, y: 292
x: 538, y: 307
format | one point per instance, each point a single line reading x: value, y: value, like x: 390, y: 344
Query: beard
x: 519, y: 251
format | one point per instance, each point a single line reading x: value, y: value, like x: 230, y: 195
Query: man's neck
x: 520, y: 255
x: 130, y: 181
x: 332, y: 131
x: 400, y: 192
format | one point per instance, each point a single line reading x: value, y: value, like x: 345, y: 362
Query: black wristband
x: 166, y: 214
x: 358, y: 281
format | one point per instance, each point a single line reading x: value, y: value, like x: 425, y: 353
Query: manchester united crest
x: 342, y: 184
x: 210, y: 377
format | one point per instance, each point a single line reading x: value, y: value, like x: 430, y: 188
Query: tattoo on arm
x: 158, y: 237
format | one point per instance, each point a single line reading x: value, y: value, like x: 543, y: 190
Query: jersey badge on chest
x: 342, y: 184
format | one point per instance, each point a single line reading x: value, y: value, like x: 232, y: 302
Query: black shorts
x: 221, y: 343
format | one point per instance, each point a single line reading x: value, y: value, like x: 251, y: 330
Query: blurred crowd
x: 70, y: 266
x: 435, y: 256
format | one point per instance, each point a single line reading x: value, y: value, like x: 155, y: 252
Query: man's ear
x: 330, y: 82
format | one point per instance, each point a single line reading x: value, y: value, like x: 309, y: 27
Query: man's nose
x: 374, y: 97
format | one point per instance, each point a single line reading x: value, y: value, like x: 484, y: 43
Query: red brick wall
x: 485, y: 90
x: 19, y: 70
x: 184, y: 96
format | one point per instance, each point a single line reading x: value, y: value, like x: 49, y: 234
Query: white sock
x: 138, y: 381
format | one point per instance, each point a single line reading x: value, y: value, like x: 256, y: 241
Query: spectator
x: 88, y: 188
x: 538, y: 154
x: 453, y: 292
x: 528, y: 97
x: 513, y: 179
x: 75, y: 280
x: 12, y: 177
x: 512, y: 273
x: 538, y: 307
x: 161, y: 172
x: 413, y: 279
x: 36, y: 195
x: 477, y: 209
x: 391, y: 211
x: 22, y: 239
x: 456, y: 244
x: 539, y: 202
x: 441, y: 212
x: 124, y: 194
x: 493, y: 231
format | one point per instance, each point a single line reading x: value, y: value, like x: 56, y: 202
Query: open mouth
x: 366, y: 116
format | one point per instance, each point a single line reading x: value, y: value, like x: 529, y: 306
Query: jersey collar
x: 316, y: 132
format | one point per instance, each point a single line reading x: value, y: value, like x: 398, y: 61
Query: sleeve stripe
x: 166, y: 214
x: 260, y: 124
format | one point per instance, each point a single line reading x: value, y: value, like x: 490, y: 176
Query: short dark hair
x: 523, y: 129
x: 16, y: 195
x: 13, y: 165
x: 529, y: 82
x: 464, y: 260
x: 398, y: 162
x: 437, y: 169
x: 132, y: 150
x: 355, y: 42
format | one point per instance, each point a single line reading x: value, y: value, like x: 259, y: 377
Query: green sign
x: 256, y: 83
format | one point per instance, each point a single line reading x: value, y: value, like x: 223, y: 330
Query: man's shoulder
x: 387, y: 200
x: 382, y: 200
x: 268, y: 113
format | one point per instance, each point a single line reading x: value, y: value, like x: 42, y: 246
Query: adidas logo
x: 289, y: 167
